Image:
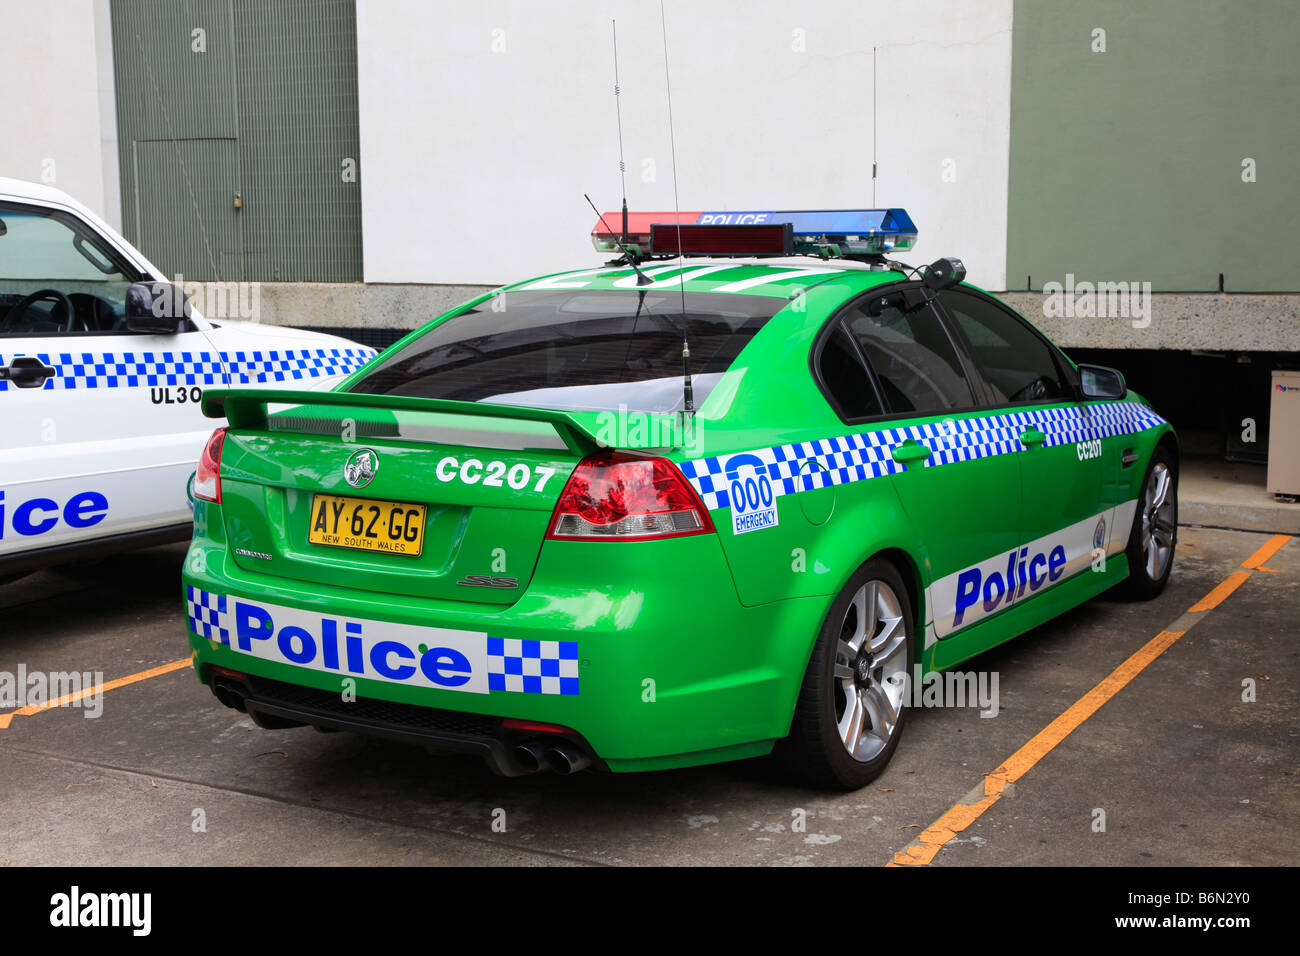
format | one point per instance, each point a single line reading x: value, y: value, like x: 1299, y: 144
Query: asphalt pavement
x: 1165, y: 763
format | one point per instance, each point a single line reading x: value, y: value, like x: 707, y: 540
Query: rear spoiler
x: 247, y: 408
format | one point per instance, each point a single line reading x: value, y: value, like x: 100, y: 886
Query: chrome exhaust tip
x: 531, y: 757
x: 566, y: 759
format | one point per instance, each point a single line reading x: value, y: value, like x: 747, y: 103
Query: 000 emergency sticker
x: 753, y: 501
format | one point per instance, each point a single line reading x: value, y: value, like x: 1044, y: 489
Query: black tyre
x: 1154, y: 534
x: 852, y: 704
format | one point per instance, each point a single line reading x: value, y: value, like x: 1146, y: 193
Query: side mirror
x: 1098, y: 381
x: 158, y: 307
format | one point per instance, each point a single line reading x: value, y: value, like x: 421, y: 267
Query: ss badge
x: 488, y: 581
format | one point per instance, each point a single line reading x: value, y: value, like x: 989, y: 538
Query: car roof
x: 772, y: 277
x: 22, y: 189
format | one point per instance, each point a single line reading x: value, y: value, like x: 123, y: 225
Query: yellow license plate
x: 394, y: 527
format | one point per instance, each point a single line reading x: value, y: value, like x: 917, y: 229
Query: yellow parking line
x: 959, y: 817
x: 1220, y: 592
x: 1271, y: 547
x: 33, y: 709
x: 933, y: 839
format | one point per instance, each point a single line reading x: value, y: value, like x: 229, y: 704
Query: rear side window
x: 913, y: 358
x: 845, y: 378
x: 1017, y: 364
x: 579, y: 350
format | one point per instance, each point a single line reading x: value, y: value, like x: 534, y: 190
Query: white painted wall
x: 483, y: 124
x: 57, y: 110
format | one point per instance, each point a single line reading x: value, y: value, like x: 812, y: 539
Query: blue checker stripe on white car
x: 83, y: 370
x: 532, y: 666
x: 283, y: 365
x: 864, y: 455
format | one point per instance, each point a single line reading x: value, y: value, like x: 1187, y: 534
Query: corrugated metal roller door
x: 257, y: 106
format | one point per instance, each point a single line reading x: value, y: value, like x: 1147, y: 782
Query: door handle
x: 1032, y: 436
x: 910, y: 451
x: 26, y: 371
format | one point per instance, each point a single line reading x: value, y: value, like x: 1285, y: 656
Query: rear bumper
x: 275, y: 705
x: 661, y: 664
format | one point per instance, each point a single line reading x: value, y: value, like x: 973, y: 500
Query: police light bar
x: 835, y: 232
x: 605, y: 235
x: 770, y: 239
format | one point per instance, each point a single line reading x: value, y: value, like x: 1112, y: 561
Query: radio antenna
x: 873, y: 126
x: 688, y: 394
x: 621, y: 241
x: 618, y: 111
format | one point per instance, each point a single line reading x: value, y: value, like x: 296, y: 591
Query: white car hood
x: 269, y: 336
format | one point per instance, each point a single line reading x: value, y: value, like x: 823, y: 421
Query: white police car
x: 102, y: 365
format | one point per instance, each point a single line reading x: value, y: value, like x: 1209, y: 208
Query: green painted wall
x: 266, y: 109
x: 1127, y: 164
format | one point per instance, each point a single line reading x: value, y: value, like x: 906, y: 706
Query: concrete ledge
x: 332, y: 304
x: 1185, y: 321
x: 1233, y: 322
x: 1223, y: 494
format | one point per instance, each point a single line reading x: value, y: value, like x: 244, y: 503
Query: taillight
x: 207, y: 480
x: 617, y: 496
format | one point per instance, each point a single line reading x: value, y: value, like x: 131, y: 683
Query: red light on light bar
x: 639, y: 223
x: 773, y: 239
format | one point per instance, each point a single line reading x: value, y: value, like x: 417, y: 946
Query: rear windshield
x: 587, y: 350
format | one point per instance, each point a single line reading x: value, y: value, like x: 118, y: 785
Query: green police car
x: 727, y: 494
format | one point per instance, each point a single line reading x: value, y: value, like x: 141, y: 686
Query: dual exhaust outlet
x: 561, y: 757
x: 230, y: 694
x: 531, y: 757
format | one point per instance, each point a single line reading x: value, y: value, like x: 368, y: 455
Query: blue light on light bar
x: 854, y: 230
x: 821, y: 232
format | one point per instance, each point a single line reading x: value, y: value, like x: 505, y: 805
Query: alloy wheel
x: 870, y: 670
x: 1158, y: 521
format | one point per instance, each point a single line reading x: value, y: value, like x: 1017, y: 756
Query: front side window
x: 1017, y: 364
x: 576, y: 350
x: 57, y: 275
x: 913, y: 358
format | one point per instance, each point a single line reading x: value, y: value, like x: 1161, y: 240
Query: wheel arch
x: 910, y: 572
x: 1169, y: 439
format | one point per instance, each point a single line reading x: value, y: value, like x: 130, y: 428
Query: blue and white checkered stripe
x: 206, y: 613
x: 845, y: 458
x: 286, y: 365
x: 964, y: 439
x: 864, y: 455
x: 531, y: 666
x: 83, y: 370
